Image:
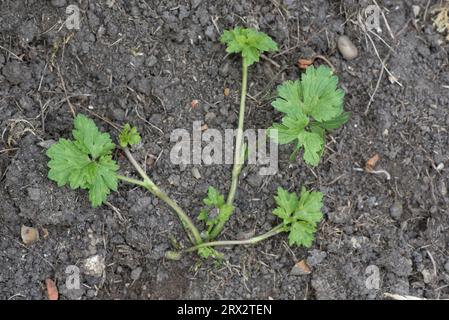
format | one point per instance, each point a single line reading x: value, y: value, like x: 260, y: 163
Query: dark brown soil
x: 143, y: 62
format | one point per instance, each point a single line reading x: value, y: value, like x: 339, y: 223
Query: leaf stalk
x: 239, y: 152
x: 276, y: 230
x: 147, y: 183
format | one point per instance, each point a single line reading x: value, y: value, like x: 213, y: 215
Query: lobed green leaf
x: 311, y: 106
x: 86, y: 162
x: 300, y: 215
x: 129, y: 136
x: 89, y: 139
x: 250, y: 43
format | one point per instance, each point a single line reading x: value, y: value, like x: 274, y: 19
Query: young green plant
x: 300, y: 216
x: 311, y: 106
x: 250, y: 44
x: 86, y: 162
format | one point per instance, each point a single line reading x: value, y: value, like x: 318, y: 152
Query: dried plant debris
x: 441, y: 21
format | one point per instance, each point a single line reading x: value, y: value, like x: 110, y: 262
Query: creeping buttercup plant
x: 311, y: 107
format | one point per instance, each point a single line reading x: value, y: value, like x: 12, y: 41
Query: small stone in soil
x: 347, y: 49
x: 151, y: 61
x: 254, y: 180
x: 396, y: 210
x: 16, y: 73
x: 316, y: 257
x: 94, y: 265
x: 210, y: 32
x: 416, y: 10
x: 210, y: 118
x: 135, y: 274
x: 46, y: 143
x: 300, y: 268
x: 442, y: 188
x: 29, y: 235
x: 224, y: 70
x: 144, y: 85
x: 174, y: 180
x: 34, y: 194
x: 118, y: 114
x: 58, y: 3
x: 91, y: 293
x: 446, y: 266
x: 427, y: 276
x: 196, y: 173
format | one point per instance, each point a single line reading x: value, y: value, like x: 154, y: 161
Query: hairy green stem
x: 138, y: 168
x: 239, y: 152
x: 278, y: 229
x: 148, y: 184
x: 132, y: 181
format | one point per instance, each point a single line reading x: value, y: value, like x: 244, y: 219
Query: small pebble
x: 396, y: 210
x: 118, y: 114
x: 427, y: 276
x: 446, y: 266
x: 174, y: 180
x: 210, y: 117
x: 91, y: 293
x: 94, y: 266
x: 316, y: 257
x: 210, y: 32
x: 34, y: 194
x: 196, y: 173
x: 110, y: 3
x: 46, y: 143
x: 416, y: 10
x: 58, y: 3
x: 135, y: 274
x: 347, y: 49
x: 151, y: 61
x: 300, y: 268
x: 224, y: 70
x: 29, y: 235
x: 255, y: 180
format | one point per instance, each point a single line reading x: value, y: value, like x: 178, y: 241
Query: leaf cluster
x: 311, y: 106
x: 249, y: 42
x: 129, y: 136
x: 217, y: 209
x: 300, y: 215
x: 85, y: 162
